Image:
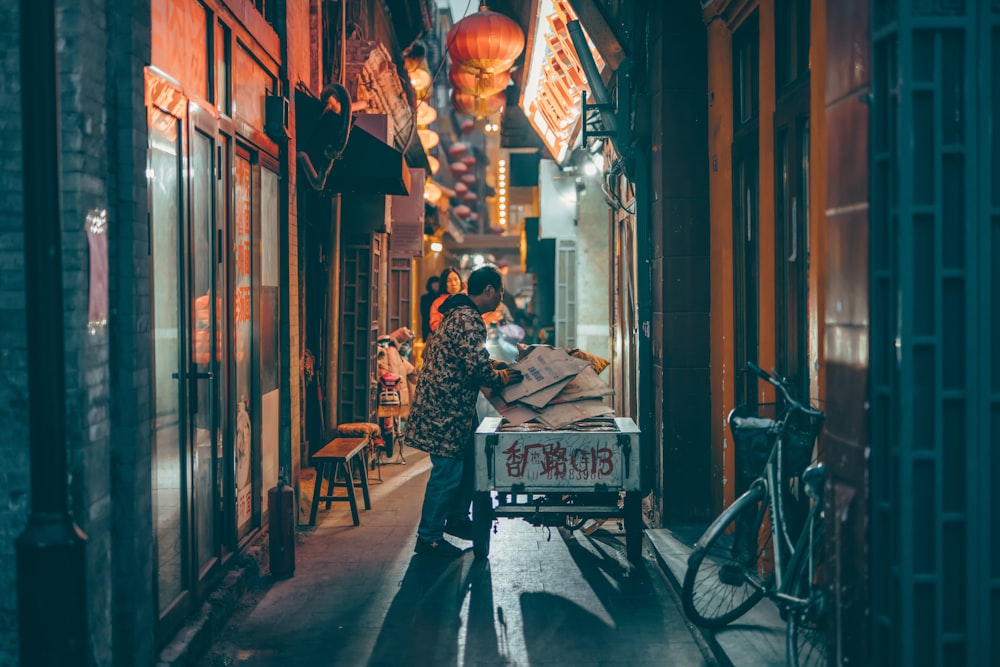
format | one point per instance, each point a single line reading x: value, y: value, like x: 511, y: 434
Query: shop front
x: 213, y: 177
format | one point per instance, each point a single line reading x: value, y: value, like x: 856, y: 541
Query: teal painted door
x: 935, y: 366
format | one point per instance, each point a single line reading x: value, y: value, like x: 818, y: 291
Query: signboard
x: 534, y: 459
x: 554, y: 83
x: 407, y: 239
x: 559, y: 458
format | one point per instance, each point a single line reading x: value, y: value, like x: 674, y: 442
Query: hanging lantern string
x: 482, y: 6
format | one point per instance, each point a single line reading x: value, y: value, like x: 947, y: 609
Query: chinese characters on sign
x: 559, y: 461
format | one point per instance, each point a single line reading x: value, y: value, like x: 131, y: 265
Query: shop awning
x: 369, y: 166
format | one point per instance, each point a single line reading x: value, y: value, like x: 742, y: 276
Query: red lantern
x: 462, y: 210
x: 468, y: 178
x: 456, y: 148
x: 476, y: 83
x: 485, y: 41
x: 461, y: 188
x: 459, y: 167
x: 469, y: 160
x: 469, y: 196
x: 468, y: 125
x: 478, y: 106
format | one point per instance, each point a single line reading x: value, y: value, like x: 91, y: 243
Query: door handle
x: 194, y: 376
x: 795, y: 231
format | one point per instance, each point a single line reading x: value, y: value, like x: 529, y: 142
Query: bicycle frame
x: 772, y: 484
x: 739, y: 559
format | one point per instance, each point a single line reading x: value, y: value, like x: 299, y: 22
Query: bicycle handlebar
x: 777, y: 382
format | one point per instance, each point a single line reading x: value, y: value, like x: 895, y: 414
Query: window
x: 791, y: 43
x: 268, y: 9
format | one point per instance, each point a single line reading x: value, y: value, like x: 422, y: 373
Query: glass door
x: 205, y: 344
x: 187, y: 351
x: 169, y: 474
x: 746, y: 224
x: 791, y: 206
x: 791, y: 260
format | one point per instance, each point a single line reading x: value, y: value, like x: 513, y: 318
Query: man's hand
x: 500, y: 365
x: 511, y: 376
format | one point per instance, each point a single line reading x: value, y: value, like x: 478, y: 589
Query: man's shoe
x: 440, y: 548
x: 459, y: 528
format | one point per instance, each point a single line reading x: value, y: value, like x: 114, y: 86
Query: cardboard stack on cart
x: 560, y: 387
x: 557, y: 455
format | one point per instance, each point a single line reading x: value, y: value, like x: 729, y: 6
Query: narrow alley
x: 723, y: 271
x: 360, y: 596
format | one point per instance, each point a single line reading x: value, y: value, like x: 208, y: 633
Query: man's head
x: 486, y: 288
x: 433, y: 284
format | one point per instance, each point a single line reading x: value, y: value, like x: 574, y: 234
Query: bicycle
x: 751, y: 551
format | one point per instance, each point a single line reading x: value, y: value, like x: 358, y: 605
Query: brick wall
x: 133, y: 616
x: 103, y: 161
x: 85, y: 176
x: 14, y: 482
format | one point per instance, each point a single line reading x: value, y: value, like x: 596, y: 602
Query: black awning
x: 369, y: 166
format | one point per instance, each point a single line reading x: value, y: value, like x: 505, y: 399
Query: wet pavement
x: 360, y: 596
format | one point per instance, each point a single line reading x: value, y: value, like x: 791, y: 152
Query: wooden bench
x: 333, y: 460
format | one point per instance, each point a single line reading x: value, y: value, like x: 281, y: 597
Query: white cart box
x: 594, y: 455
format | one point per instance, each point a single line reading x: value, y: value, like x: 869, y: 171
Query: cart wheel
x: 482, y: 521
x: 633, y: 527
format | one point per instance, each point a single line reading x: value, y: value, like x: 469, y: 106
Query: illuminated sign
x: 554, y: 82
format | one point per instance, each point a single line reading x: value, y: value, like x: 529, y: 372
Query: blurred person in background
x: 427, y: 299
x: 451, y: 284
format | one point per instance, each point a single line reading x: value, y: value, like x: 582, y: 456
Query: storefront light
x: 432, y: 192
x: 554, y: 78
x: 426, y: 114
x: 420, y: 79
x: 428, y: 139
x: 436, y: 246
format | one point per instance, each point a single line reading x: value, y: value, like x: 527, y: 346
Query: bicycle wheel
x: 730, y: 567
x: 806, y: 638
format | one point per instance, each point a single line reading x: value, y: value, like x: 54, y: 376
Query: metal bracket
x: 593, y: 120
x: 625, y: 442
x: 491, y: 442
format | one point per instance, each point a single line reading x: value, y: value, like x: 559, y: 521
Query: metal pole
x: 51, y: 567
x: 594, y: 81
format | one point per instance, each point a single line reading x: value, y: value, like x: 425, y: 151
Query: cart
x: 590, y: 469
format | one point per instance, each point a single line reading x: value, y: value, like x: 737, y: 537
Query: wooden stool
x: 365, y: 430
x: 336, y: 458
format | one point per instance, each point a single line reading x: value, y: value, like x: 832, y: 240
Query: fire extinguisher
x: 281, y: 508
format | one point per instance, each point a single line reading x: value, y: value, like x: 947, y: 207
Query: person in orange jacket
x: 451, y: 283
